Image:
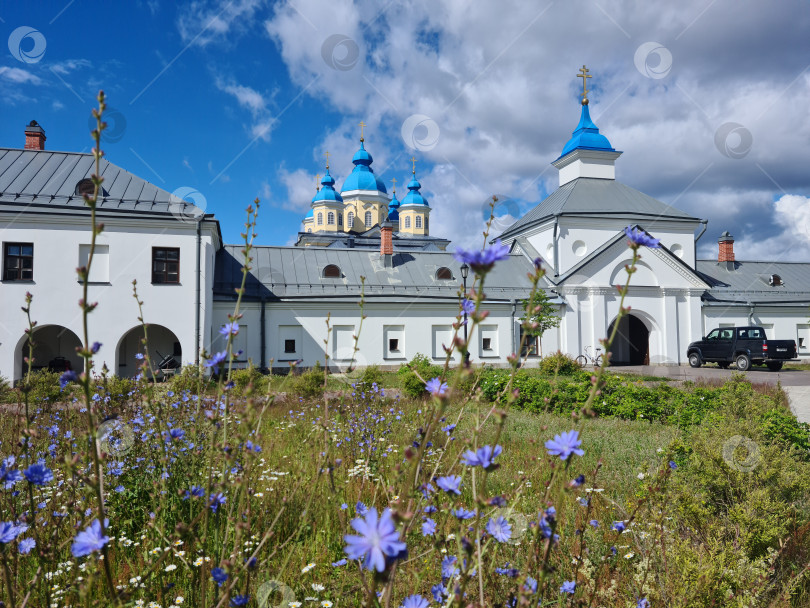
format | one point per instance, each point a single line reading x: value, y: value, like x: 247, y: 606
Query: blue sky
x: 241, y: 98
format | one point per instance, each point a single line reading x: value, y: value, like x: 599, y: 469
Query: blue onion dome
x: 393, y: 208
x: 586, y: 136
x: 309, y: 214
x: 414, y: 197
x: 362, y: 176
x: 327, y: 191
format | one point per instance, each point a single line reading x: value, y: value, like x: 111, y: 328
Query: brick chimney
x: 34, y: 137
x: 725, y: 254
x: 387, y: 243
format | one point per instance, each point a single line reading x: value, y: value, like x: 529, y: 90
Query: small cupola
x: 327, y: 192
x: 588, y: 153
x: 362, y: 176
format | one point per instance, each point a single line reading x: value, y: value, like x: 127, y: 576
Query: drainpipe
x: 197, y: 294
x: 514, y: 308
x: 697, y: 238
x: 556, y: 236
x: 750, y: 313
x: 263, y: 347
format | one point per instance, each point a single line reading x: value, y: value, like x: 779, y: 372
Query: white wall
x: 127, y: 243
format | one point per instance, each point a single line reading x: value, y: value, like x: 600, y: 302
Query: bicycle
x: 596, y: 361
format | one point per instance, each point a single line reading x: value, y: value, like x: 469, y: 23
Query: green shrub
x: 117, y: 388
x: 191, y: 378
x: 249, y: 375
x: 7, y: 393
x: 558, y: 364
x: 44, y: 386
x: 371, y: 374
x: 411, y: 384
x: 780, y: 425
x: 308, y: 384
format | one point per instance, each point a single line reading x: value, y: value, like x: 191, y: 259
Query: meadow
x: 434, y: 486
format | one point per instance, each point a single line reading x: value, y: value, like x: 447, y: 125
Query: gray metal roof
x: 370, y: 239
x: 33, y: 179
x: 589, y: 196
x: 296, y: 273
x: 749, y: 282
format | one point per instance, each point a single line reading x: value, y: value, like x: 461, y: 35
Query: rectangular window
x: 165, y: 265
x: 393, y: 341
x: 289, y: 346
x: 489, y: 340
x: 343, y: 342
x: 529, y: 346
x: 393, y: 345
x: 290, y: 343
x: 18, y: 262
x: 487, y: 343
x: 803, y: 337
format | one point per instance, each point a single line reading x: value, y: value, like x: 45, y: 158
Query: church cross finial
x: 362, y: 124
x: 583, y: 73
x: 394, y: 179
x: 413, y: 160
x: 317, y: 183
x: 327, y: 160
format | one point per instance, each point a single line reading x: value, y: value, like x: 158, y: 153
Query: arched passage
x: 632, y: 343
x: 54, y: 348
x: 162, y: 343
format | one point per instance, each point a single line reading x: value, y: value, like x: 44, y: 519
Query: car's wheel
x: 723, y: 365
x: 694, y: 360
x: 743, y: 362
x: 582, y: 360
x: 775, y: 366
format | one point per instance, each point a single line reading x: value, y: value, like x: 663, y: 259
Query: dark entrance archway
x: 632, y: 343
x: 54, y: 349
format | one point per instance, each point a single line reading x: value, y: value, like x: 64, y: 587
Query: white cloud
x: 201, y: 22
x: 499, y: 83
x: 64, y: 68
x: 255, y: 102
x: 19, y: 76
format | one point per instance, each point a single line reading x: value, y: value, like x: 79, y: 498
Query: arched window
x: 309, y: 229
x: 408, y: 221
x: 444, y: 274
x: 330, y: 218
x: 340, y: 219
x: 418, y: 221
x: 320, y: 219
x: 84, y: 186
x: 368, y: 219
x: 775, y: 280
x: 350, y: 219
x: 331, y: 272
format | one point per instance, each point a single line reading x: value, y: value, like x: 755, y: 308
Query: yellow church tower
x: 364, y: 194
x: 414, y: 211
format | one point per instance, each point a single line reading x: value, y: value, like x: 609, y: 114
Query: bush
x: 242, y: 378
x: 7, y: 393
x: 191, y: 378
x: 371, y: 374
x: 308, y: 384
x: 44, y: 387
x: 411, y: 384
x: 117, y: 388
x: 558, y: 364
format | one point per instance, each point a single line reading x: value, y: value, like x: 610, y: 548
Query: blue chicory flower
x: 565, y: 444
x: 436, y: 387
x: 90, y: 539
x: 449, y: 484
x: 483, y: 457
x: 38, y: 474
x: 499, y: 529
x: 568, y: 587
x: 482, y: 261
x: 639, y: 237
x: 378, y: 538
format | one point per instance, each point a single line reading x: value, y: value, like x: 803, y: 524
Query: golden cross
x: 583, y: 73
x: 317, y: 183
x: 394, y: 179
x: 362, y: 124
x: 413, y: 160
x: 327, y: 160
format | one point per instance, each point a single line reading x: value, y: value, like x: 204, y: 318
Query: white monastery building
x: 186, y: 275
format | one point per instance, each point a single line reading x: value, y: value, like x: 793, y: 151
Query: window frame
x: 166, y: 271
x: 444, y: 270
x: 330, y: 218
x: 350, y: 219
x: 19, y: 268
x: 407, y: 221
x: 320, y: 219
x: 418, y: 222
x: 287, y: 350
x: 328, y: 267
x: 393, y: 345
x: 368, y: 217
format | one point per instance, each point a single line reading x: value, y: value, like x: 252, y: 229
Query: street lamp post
x: 465, y: 271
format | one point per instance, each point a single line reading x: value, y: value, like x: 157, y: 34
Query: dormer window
x: 84, y: 186
x: 774, y: 280
x: 444, y: 274
x: 331, y: 272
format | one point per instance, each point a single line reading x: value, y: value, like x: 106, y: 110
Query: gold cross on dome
x: 394, y: 179
x: 317, y: 183
x: 327, y: 160
x: 583, y: 73
x: 362, y: 124
x: 413, y: 160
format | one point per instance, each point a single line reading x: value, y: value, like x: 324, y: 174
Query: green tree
x: 539, y: 315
